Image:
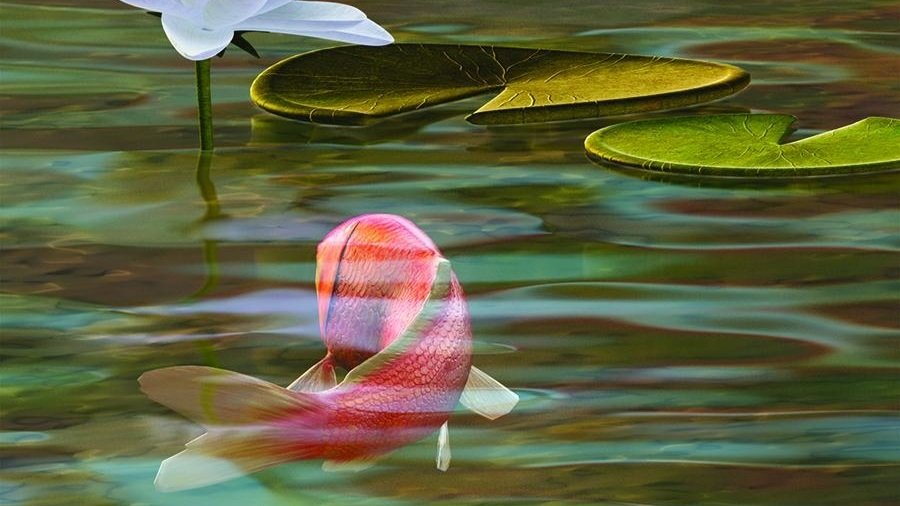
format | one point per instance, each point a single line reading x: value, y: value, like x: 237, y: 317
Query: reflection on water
x: 671, y: 342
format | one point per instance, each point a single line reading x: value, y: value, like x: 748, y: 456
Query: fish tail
x: 244, y: 417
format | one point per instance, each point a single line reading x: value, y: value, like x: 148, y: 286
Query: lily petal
x: 297, y: 17
x: 170, y: 6
x: 225, y: 13
x: 327, y: 20
x: 192, y: 41
x: 366, y: 33
x: 272, y: 4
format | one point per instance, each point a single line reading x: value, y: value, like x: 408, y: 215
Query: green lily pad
x: 355, y: 84
x: 747, y: 145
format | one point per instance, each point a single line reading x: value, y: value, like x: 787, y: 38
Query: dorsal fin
x: 329, y: 255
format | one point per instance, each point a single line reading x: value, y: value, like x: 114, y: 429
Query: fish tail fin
x: 240, y: 413
x: 218, y: 456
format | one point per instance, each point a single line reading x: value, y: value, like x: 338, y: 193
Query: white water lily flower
x: 200, y: 29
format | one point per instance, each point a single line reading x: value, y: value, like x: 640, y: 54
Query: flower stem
x: 204, y: 105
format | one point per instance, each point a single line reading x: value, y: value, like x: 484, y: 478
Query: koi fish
x: 393, y: 314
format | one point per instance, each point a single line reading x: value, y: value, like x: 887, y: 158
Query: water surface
x: 673, y: 342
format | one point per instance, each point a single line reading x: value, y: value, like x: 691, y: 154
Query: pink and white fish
x: 392, y: 313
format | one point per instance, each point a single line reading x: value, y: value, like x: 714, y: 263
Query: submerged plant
x: 201, y: 29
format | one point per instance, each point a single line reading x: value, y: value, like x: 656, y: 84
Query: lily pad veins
x: 356, y: 84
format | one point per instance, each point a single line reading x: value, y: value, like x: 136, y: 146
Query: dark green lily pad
x: 747, y: 145
x: 355, y: 84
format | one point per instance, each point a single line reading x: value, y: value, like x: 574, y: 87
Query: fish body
x: 373, y: 274
x: 393, y: 314
x: 378, y: 276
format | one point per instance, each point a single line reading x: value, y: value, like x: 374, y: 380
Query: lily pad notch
x: 747, y: 145
x: 354, y: 85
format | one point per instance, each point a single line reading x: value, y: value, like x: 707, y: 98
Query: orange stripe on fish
x: 380, y: 269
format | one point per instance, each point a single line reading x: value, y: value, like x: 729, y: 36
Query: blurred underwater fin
x: 218, y: 456
x: 486, y: 396
x: 316, y: 379
x: 350, y: 466
x: 216, y: 397
x: 238, y: 410
x: 443, y: 448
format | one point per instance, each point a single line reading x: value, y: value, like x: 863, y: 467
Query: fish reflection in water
x: 393, y: 314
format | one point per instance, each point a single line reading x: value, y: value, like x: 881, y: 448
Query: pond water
x: 673, y: 341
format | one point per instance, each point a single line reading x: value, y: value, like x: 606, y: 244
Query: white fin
x: 486, y: 396
x: 443, y: 448
x: 316, y: 379
x: 349, y: 466
x: 216, y: 457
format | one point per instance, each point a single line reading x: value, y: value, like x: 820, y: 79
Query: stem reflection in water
x: 205, y: 347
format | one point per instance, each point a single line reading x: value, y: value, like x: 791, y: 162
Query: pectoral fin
x: 486, y: 396
x: 316, y: 379
x: 443, y: 448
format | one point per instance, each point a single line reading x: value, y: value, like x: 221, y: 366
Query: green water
x: 673, y: 342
